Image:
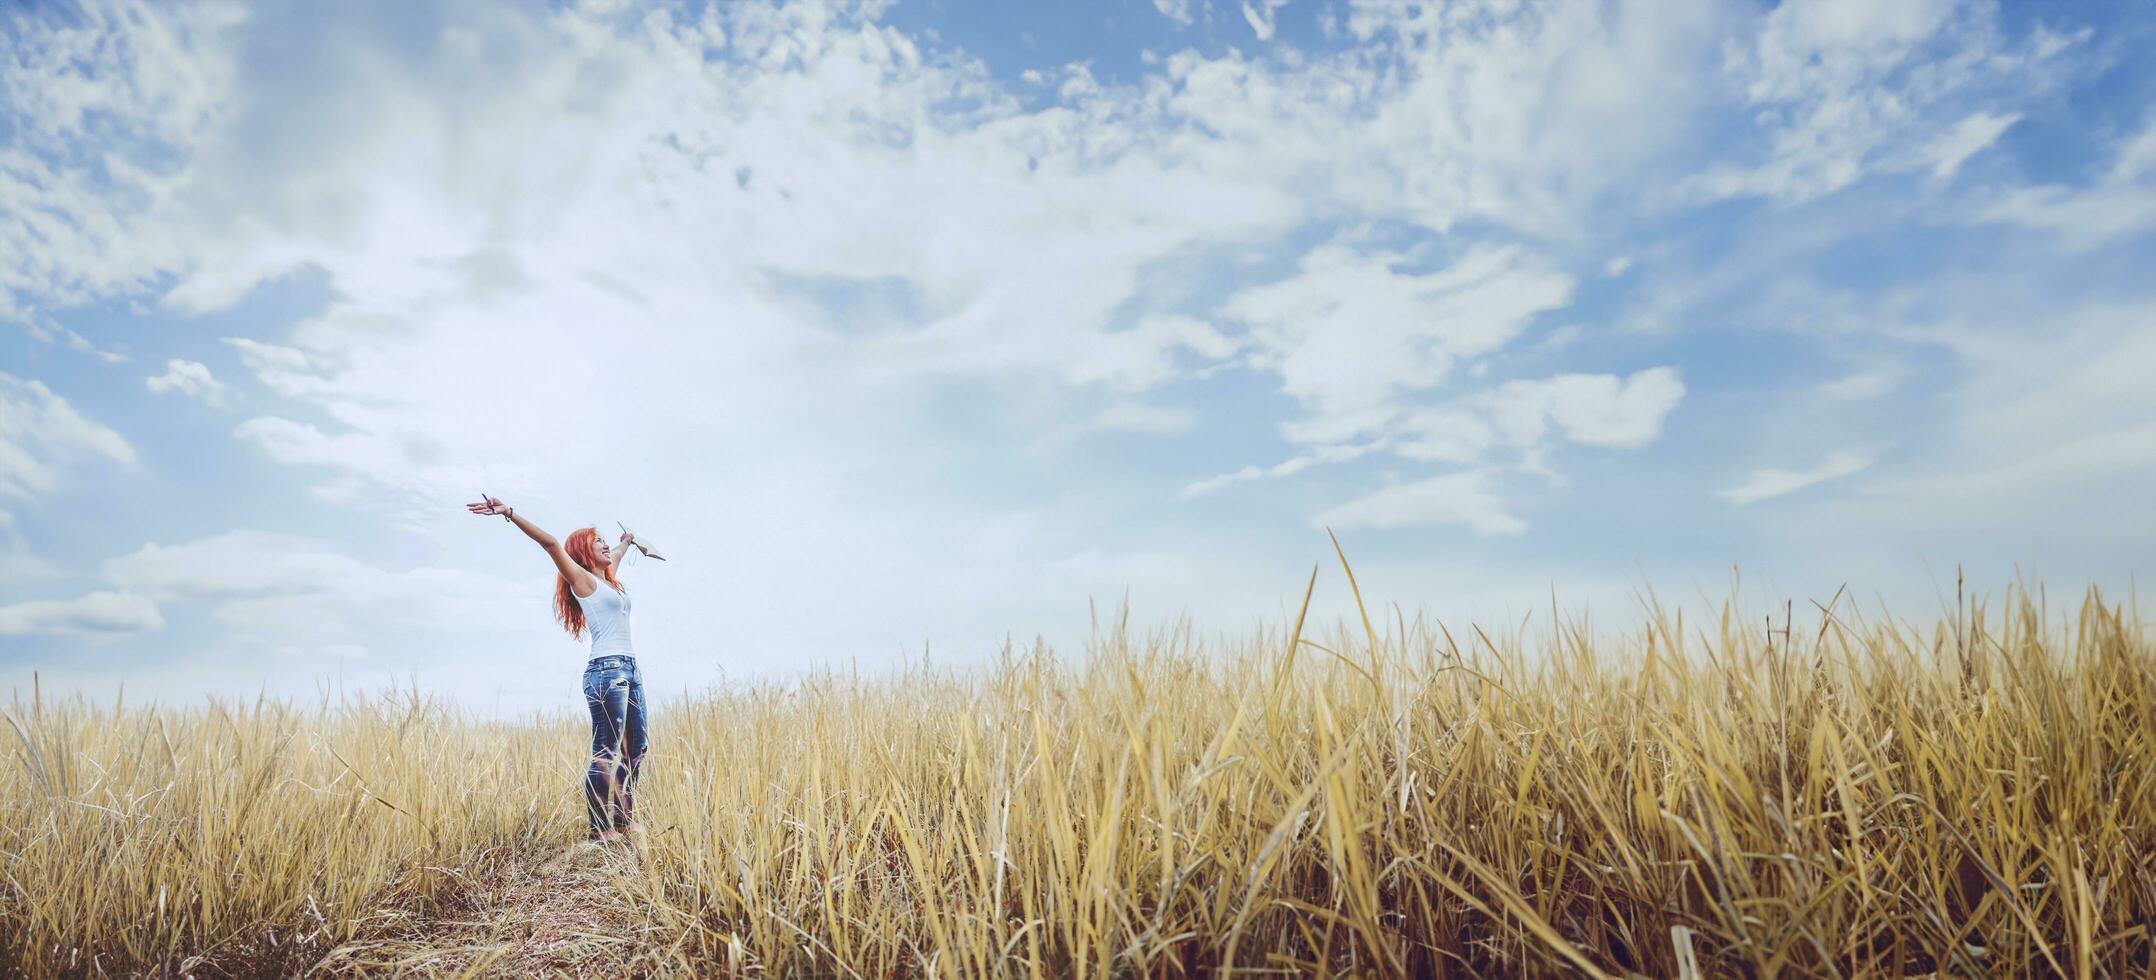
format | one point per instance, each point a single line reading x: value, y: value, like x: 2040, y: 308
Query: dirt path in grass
x: 548, y: 913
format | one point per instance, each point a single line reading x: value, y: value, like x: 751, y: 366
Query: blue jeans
x: 614, y: 690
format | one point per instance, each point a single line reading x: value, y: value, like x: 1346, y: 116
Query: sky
x: 907, y: 329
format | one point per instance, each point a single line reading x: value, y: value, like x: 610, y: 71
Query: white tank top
x: 606, y: 616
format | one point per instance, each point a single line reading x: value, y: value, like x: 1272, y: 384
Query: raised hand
x: 628, y: 538
x: 489, y: 507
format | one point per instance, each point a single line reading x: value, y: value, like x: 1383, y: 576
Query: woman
x: 588, y: 596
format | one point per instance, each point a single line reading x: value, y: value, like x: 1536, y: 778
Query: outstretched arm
x: 621, y: 551
x: 580, y: 581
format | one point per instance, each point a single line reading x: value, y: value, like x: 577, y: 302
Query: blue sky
x: 917, y: 325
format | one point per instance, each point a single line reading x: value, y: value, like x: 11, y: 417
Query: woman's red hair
x: 579, y: 547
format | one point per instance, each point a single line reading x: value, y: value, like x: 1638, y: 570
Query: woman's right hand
x: 489, y: 507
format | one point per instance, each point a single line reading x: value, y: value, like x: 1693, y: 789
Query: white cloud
x: 95, y: 614
x: 288, y: 371
x: 1287, y: 467
x: 2080, y: 461
x: 2083, y: 219
x: 1770, y: 482
x: 2137, y: 159
x: 2120, y: 202
x: 147, y: 85
x: 302, y: 444
x: 43, y: 439
x: 1175, y: 10
x: 191, y: 378
x: 1260, y: 16
x: 52, y: 333
x: 288, y: 594
x: 1843, y: 88
x: 1062, y: 210
x: 2057, y: 409
x: 1811, y: 45
x: 1150, y: 353
x: 1863, y: 383
x: 2029, y: 413
x: 1453, y: 433
x: 382, y: 467
x: 1591, y: 409
x: 235, y: 564
x: 1351, y: 331
x: 1588, y: 409
x: 1166, y: 420
x: 1966, y: 139
x: 1469, y: 499
x: 17, y: 562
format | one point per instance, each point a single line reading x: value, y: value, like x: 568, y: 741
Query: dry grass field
x: 1850, y: 797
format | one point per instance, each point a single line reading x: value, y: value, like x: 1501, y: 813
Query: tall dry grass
x: 228, y: 838
x: 1849, y: 797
